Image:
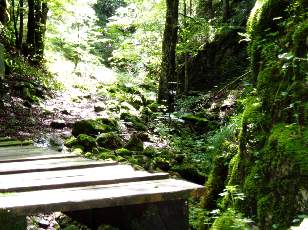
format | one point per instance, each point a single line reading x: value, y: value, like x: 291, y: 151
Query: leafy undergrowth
x: 133, y: 128
x: 21, y: 90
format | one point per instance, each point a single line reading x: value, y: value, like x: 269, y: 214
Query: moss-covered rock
x: 10, y: 221
x: 86, y: 141
x: 193, y: 119
x: 93, y: 127
x: 150, y: 151
x: 136, y: 122
x: 134, y: 143
x: 271, y: 166
x: 104, y: 155
x: 123, y: 152
x: 70, y: 142
x: 109, y: 140
x: 215, y: 183
x: 189, y: 172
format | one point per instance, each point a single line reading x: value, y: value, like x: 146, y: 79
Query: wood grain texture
x: 99, y: 196
x: 74, y: 178
x: 50, y: 165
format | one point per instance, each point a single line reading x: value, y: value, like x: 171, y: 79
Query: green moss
x: 9, y: 221
x: 134, y: 143
x: 70, y: 142
x: 300, y: 39
x: 109, y: 140
x: 86, y: 141
x: 94, y: 127
x: 261, y: 16
x: 215, y: 183
x: 78, y: 150
x: 136, y: 122
x: 106, y: 155
x: 123, y: 152
x: 292, y: 142
x: 150, y: 151
x: 199, y: 121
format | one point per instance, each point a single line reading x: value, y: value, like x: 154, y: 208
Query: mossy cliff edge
x: 271, y: 167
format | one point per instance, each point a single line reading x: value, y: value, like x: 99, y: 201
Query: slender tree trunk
x: 186, y: 80
x: 41, y: 30
x: 21, y: 23
x: 31, y: 28
x: 205, y: 8
x: 15, y: 21
x: 226, y: 10
x: 168, y: 73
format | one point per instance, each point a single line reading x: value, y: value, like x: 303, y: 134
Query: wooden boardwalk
x: 37, y: 180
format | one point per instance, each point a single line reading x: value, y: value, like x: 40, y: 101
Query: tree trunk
x: 226, y: 10
x: 168, y: 49
x: 15, y: 21
x: 205, y: 8
x: 41, y: 30
x: 21, y: 23
x: 31, y: 28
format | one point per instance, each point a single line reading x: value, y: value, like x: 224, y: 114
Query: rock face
x: 225, y: 58
x: 271, y: 166
x: 109, y: 140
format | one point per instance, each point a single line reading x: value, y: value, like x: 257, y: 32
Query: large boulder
x: 134, y: 143
x: 94, y: 127
x: 109, y: 140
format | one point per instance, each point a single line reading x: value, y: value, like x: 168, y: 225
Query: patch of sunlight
x: 303, y: 225
x: 70, y: 59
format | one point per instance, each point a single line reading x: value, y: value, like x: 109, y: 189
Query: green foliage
x: 106, y: 8
x: 134, y: 33
x: 194, y: 35
x: 231, y: 219
x: 20, y: 66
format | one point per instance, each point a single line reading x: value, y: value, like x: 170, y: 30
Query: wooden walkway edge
x: 35, y: 180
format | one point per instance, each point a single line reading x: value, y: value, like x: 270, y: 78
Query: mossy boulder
x: 189, y: 172
x: 123, y: 152
x: 93, y: 127
x: 87, y: 141
x: 134, y: 143
x: 10, y: 221
x: 195, y: 120
x: 109, y: 140
x: 150, y: 151
x: 106, y: 155
x: 162, y: 163
x: 136, y: 122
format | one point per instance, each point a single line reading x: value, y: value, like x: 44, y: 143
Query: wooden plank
x: 7, y: 139
x: 15, y: 143
x: 100, y: 196
x: 51, y: 165
x: 34, y: 157
x: 27, y: 149
x: 74, y: 178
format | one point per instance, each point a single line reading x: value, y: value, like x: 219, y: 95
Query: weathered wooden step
x: 51, y: 165
x: 7, y: 139
x: 75, y: 178
x: 15, y: 143
x: 34, y: 157
x: 26, y: 149
x: 100, y: 196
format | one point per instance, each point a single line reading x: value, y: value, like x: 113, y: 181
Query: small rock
x: 99, y: 107
x: 42, y: 223
x: 58, y: 124
x: 65, y: 112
